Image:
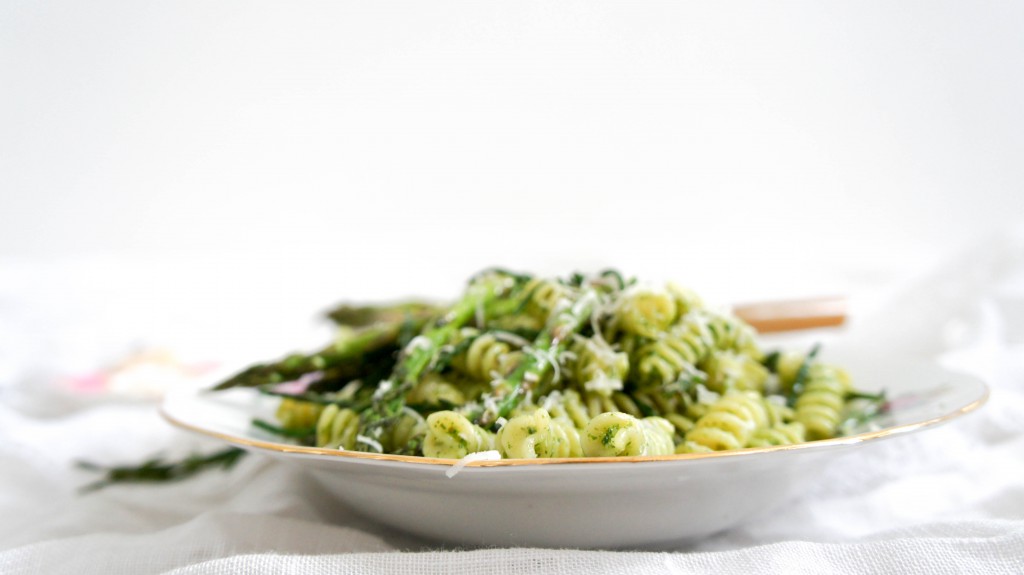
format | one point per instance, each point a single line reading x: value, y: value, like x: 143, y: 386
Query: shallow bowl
x: 624, y: 502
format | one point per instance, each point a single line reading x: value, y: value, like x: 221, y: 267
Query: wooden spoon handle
x: 792, y: 315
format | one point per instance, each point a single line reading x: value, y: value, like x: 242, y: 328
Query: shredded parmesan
x: 705, y: 395
x: 417, y: 343
x: 509, y: 337
x: 490, y: 404
x: 545, y: 356
x: 492, y: 455
x: 370, y: 442
x: 382, y: 389
x: 602, y: 382
x: 412, y: 413
x: 561, y: 305
x: 552, y: 400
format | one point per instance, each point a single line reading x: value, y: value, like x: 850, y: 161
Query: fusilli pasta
x: 545, y: 368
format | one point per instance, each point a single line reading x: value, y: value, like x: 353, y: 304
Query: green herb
x: 614, y: 274
x: 801, y: 376
x: 157, y: 470
x: 861, y: 408
x: 609, y: 435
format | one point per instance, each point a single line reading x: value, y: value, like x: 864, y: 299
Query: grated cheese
x: 492, y: 455
x: 705, y: 395
x: 370, y: 442
x: 417, y: 343
x: 512, y: 338
x: 382, y: 389
x: 554, y: 399
x: 602, y: 382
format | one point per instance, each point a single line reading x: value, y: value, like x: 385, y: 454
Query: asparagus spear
x: 346, y: 358
x: 543, y: 356
x: 422, y: 352
x: 157, y: 470
x: 363, y: 316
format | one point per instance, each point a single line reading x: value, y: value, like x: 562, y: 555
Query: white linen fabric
x: 946, y: 500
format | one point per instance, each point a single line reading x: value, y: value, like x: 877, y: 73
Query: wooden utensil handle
x: 776, y: 316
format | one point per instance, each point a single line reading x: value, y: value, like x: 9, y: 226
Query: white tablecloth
x: 947, y: 500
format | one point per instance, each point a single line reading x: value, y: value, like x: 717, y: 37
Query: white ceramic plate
x: 589, y: 502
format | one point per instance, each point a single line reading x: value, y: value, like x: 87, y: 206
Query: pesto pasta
x: 529, y: 367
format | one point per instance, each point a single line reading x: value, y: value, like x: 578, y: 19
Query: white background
x: 331, y: 150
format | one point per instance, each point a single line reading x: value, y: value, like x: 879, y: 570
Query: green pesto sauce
x: 609, y: 435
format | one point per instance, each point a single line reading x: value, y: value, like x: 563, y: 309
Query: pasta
x: 732, y: 370
x: 486, y: 357
x: 594, y: 366
x: 433, y: 390
x: 645, y: 311
x: 729, y: 423
x: 337, y: 428
x: 450, y: 435
x: 820, y: 403
x: 543, y: 297
x: 295, y: 414
x: 614, y: 434
x: 533, y: 435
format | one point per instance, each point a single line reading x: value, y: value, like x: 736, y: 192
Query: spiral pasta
x: 434, y: 390
x: 540, y: 368
x: 731, y: 370
x: 294, y: 414
x: 645, y: 311
x: 533, y: 435
x: 597, y: 367
x: 405, y: 434
x: 450, y: 435
x: 583, y: 407
x: 729, y: 423
x: 782, y: 434
x: 729, y: 333
x: 544, y: 297
x: 787, y: 364
x: 487, y: 357
x: 568, y: 405
x: 678, y: 351
x: 615, y: 434
x: 686, y: 300
x: 675, y: 353
x: 820, y: 404
x: 337, y: 428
